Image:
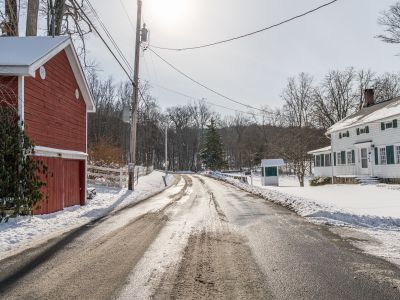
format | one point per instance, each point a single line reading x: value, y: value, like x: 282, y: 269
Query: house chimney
x: 369, y: 98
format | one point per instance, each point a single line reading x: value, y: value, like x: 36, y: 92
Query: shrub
x: 20, y: 174
x: 320, y: 180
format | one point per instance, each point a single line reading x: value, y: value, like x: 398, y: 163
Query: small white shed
x: 270, y: 171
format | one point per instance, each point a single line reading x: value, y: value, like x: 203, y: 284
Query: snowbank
x: 353, y: 205
x: 23, y: 232
x: 368, y: 216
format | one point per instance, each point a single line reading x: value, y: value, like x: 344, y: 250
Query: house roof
x: 374, y: 113
x: 272, y: 162
x: 321, y: 150
x: 22, y: 56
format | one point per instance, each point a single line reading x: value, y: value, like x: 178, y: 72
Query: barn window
x: 42, y: 72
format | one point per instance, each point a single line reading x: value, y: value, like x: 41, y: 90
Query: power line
x: 127, y: 15
x: 105, y: 43
x: 202, y: 85
x: 109, y: 36
x: 248, y: 34
x: 109, y: 48
x: 203, y: 99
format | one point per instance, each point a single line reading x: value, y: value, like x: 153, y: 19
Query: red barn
x: 53, y: 100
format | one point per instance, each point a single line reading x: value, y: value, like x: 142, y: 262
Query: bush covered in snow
x: 320, y: 180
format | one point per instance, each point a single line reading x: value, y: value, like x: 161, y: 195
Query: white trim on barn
x: 27, y: 54
x: 53, y: 152
x: 21, y: 100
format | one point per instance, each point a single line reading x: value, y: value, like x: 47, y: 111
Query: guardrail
x: 116, y: 177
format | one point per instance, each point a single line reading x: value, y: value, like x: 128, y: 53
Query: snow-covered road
x: 200, y: 239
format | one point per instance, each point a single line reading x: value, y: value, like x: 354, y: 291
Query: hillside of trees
x: 309, y: 108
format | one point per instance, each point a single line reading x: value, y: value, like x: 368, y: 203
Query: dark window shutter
x: 367, y: 129
x: 394, y: 123
x: 382, y: 126
x: 353, y: 156
x: 334, y: 158
x: 343, y: 157
x: 358, y: 131
x: 348, y: 134
x: 376, y: 156
x: 340, y: 135
x: 390, y: 155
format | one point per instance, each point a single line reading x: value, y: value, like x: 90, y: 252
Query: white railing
x: 117, y: 177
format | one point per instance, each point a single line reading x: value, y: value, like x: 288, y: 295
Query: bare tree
x: 298, y: 100
x: 390, y: 19
x: 387, y: 86
x: 9, y: 18
x: 32, y: 17
x: 336, y: 98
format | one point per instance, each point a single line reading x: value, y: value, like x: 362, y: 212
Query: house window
x: 397, y: 154
x: 317, y: 161
x: 328, y: 162
x: 362, y: 130
x: 382, y: 156
x: 339, y: 158
x: 349, y: 157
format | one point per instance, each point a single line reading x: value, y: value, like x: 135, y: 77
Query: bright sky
x: 252, y: 70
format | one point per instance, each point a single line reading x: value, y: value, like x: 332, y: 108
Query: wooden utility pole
x: 135, y: 100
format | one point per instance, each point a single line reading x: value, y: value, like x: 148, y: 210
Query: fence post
x: 121, y: 184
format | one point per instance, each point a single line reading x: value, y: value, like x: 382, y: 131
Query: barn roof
x: 22, y: 56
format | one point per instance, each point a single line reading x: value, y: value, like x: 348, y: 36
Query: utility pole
x: 166, y: 151
x: 135, y: 100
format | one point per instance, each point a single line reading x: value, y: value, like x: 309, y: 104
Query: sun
x: 168, y: 12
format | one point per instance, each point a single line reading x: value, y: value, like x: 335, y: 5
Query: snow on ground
x: 368, y: 215
x: 22, y: 232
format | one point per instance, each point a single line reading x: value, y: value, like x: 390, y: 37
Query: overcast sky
x: 252, y: 70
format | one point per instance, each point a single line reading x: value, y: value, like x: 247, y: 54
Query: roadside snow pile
x: 351, y: 205
x: 24, y: 231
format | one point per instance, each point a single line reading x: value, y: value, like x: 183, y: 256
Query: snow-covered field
x: 23, y: 232
x: 369, y: 215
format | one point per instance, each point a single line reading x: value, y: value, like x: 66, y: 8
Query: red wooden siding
x: 71, y: 183
x: 53, y: 116
x: 65, y: 184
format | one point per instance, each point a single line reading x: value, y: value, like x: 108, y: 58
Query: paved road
x: 200, y: 239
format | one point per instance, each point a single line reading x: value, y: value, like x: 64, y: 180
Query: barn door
x: 72, y: 193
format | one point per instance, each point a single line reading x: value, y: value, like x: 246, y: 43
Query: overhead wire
x: 114, y: 43
x: 203, y: 85
x: 106, y: 44
x: 109, y: 35
x: 250, y: 33
x: 205, y: 100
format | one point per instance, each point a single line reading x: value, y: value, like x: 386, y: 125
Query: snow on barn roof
x: 369, y: 114
x: 321, y: 150
x: 272, y: 162
x: 22, y: 56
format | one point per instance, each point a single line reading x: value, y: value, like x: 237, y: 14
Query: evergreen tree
x: 212, y: 154
x: 20, y: 174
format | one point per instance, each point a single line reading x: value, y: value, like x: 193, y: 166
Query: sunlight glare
x: 169, y: 12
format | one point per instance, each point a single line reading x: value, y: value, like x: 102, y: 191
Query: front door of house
x: 364, y: 161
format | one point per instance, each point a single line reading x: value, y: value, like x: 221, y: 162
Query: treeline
x: 309, y: 107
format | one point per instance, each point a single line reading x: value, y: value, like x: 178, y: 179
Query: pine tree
x: 212, y: 154
x: 20, y: 174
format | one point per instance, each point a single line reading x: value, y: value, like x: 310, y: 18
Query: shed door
x: 71, y: 183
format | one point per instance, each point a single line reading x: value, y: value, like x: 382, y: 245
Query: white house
x: 363, y: 145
